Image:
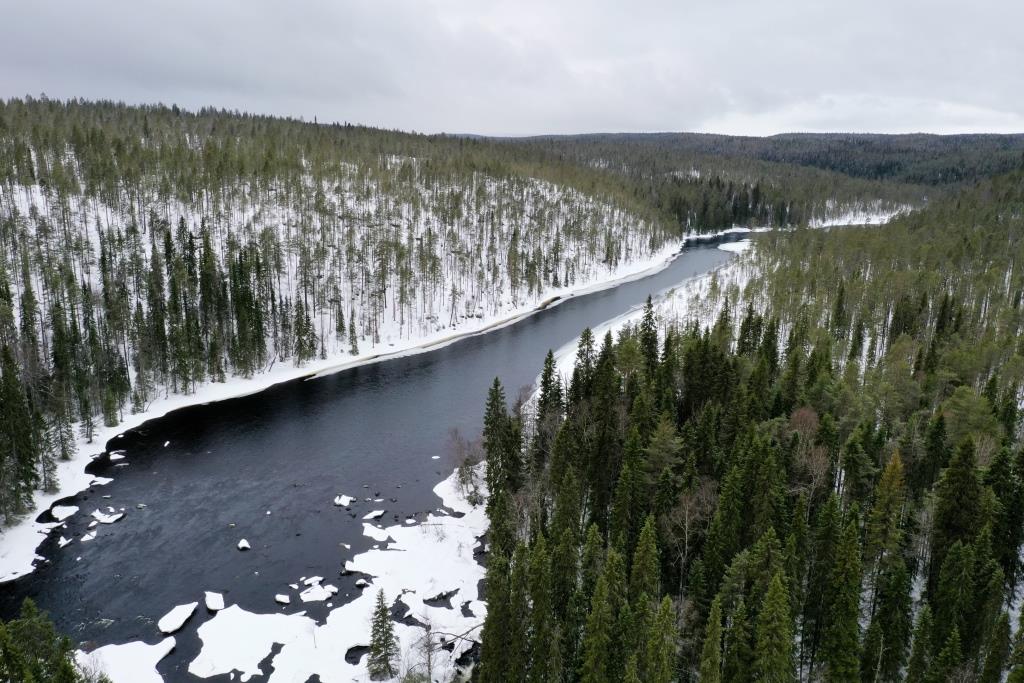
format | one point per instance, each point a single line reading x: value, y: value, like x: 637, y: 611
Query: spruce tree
x: 382, y: 662
x: 773, y: 650
x: 997, y: 651
x: 711, y: 654
x: 840, y: 643
x: 597, y: 636
x: 921, y: 650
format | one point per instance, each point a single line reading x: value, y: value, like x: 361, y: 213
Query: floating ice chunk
x: 343, y: 500
x: 410, y: 520
x: 63, y: 541
x: 135, y: 662
x: 89, y: 536
x: 176, y: 618
x: 110, y: 518
x: 117, y: 456
x: 166, y: 444
x: 376, y: 514
x: 243, y: 545
x: 312, y: 580
x: 435, y: 457
x: 282, y: 598
x: 62, y: 512
x: 318, y: 593
x: 293, y: 586
x: 214, y: 601
x: 100, y: 481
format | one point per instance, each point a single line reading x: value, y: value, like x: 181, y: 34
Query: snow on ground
x: 18, y: 542
x: 236, y: 640
x: 697, y: 299
x: 871, y: 214
x: 176, y: 618
x: 128, y: 663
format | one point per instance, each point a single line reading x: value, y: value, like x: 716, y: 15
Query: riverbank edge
x: 19, y: 541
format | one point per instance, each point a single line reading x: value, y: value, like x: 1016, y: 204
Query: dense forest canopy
x: 912, y: 159
x: 824, y: 484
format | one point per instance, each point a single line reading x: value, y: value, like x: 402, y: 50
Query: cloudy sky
x: 521, y: 67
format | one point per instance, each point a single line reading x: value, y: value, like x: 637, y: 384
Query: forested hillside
x: 145, y: 251
x: 824, y: 484
x: 910, y: 160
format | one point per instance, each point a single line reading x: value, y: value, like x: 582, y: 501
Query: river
x: 266, y: 467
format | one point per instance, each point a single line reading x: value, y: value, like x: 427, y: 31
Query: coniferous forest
x: 145, y: 251
x: 825, y: 483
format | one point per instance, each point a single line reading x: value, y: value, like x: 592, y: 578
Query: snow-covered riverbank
x: 18, y: 543
x: 685, y: 303
x: 428, y: 565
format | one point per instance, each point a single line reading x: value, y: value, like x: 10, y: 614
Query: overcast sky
x: 522, y: 67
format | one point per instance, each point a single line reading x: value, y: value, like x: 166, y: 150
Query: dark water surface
x: 289, y: 449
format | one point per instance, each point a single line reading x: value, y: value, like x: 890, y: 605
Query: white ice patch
x: 375, y: 532
x: 176, y: 618
x: 282, y: 598
x: 62, y: 512
x: 107, y: 518
x: 376, y: 514
x: 129, y: 663
x: 214, y: 601
x: 343, y: 500
x: 243, y: 545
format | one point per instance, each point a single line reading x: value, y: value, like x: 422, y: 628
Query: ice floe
x: 176, y: 618
x: 62, y: 512
x: 214, y: 601
x: 343, y: 500
x: 243, y: 545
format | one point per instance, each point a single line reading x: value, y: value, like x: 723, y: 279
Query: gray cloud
x: 536, y: 66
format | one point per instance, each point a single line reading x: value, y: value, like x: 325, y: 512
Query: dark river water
x: 367, y: 431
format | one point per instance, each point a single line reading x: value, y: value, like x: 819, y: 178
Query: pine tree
x: 382, y: 662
